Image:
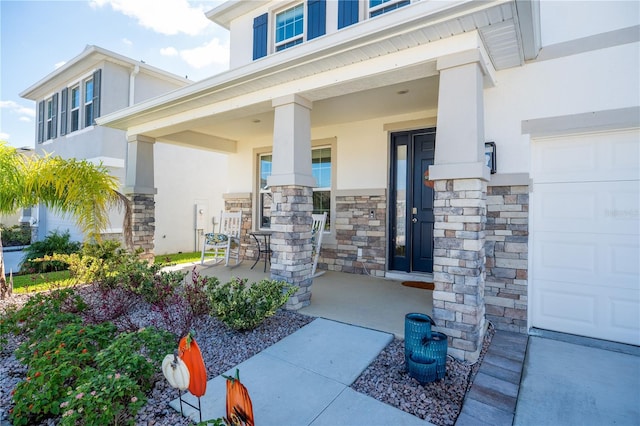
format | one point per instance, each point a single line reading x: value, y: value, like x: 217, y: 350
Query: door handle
x: 414, y: 220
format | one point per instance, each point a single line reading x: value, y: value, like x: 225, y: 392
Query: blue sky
x: 36, y: 37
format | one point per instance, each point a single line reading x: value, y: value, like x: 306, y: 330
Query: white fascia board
x: 90, y: 58
x: 230, y: 10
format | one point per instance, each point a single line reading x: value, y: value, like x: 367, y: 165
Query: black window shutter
x: 54, y: 117
x: 317, y: 18
x: 347, y: 13
x: 97, y: 78
x: 64, y: 100
x: 260, y: 29
x: 40, y: 121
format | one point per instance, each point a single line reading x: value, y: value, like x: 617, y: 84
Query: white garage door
x: 585, y: 274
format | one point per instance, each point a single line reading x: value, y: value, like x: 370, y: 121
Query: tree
x: 78, y: 187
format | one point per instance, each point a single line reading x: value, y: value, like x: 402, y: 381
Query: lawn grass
x: 172, y: 259
x: 41, y: 282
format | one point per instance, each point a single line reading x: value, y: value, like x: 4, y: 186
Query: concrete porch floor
x: 371, y: 302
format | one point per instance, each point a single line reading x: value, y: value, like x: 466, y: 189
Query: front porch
x: 371, y: 302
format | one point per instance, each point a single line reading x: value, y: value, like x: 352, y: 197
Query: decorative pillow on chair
x: 215, y: 238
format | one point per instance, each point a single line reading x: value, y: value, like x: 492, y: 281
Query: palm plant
x: 78, y: 187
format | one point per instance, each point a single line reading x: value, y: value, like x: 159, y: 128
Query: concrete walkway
x: 304, y: 379
x: 574, y: 384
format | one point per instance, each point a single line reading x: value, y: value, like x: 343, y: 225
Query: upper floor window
x: 378, y: 7
x: 289, y: 29
x: 51, y: 118
x: 75, y: 109
x: 88, y: 103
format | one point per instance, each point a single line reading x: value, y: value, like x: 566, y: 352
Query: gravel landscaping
x: 385, y: 379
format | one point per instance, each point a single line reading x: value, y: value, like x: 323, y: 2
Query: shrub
x: 56, y: 363
x: 15, y: 236
x: 34, y: 259
x: 175, y: 316
x: 243, y: 307
x: 195, y: 292
x: 105, y: 398
x: 137, y: 354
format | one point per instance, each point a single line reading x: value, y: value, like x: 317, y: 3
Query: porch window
x: 378, y: 7
x: 266, y: 199
x: 321, y: 169
x: 289, y: 27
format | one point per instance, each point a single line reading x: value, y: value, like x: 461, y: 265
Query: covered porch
x: 361, y: 300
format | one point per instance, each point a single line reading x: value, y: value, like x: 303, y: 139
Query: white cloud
x: 25, y: 113
x: 208, y: 54
x: 163, y: 16
x: 127, y: 41
x: 168, y: 51
x: 25, y: 119
x: 59, y: 64
x: 4, y: 136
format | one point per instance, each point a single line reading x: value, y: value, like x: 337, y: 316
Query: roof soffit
x: 375, y: 38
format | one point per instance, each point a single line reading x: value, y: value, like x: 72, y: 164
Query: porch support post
x: 139, y: 188
x: 291, y: 184
x: 460, y: 177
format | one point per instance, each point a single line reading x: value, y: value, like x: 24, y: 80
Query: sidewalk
x: 304, y: 380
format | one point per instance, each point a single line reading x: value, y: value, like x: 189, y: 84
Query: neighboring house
x: 380, y: 112
x: 99, y: 82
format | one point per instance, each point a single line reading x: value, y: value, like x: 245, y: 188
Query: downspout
x: 132, y: 84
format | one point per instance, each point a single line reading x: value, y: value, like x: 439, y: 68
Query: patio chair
x: 317, y: 230
x: 224, y: 244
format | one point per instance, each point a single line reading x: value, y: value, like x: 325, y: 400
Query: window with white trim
x: 88, y: 103
x: 289, y: 27
x: 378, y: 7
x: 51, y: 115
x: 75, y: 109
x: 321, y: 169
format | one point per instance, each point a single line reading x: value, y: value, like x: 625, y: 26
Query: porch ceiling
x: 217, y: 112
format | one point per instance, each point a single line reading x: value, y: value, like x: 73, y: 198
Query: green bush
x: 87, y: 374
x: 243, y: 307
x: 34, y: 259
x: 15, y: 235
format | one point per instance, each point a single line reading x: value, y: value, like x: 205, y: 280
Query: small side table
x: 264, y: 247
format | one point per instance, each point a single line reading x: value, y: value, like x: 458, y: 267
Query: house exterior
x: 494, y: 145
x: 99, y: 82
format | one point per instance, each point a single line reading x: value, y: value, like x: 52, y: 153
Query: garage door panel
x: 595, y: 157
x: 586, y: 311
x: 585, y: 235
x: 594, y: 207
x: 588, y: 259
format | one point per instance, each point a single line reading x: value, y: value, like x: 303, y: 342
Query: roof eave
x: 229, y: 10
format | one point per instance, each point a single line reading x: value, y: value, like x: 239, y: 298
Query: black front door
x: 411, y: 201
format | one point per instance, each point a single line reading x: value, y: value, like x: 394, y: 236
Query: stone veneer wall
x: 242, y: 202
x: 507, y: 239
x: 355, y: 229
x: 143, y: 223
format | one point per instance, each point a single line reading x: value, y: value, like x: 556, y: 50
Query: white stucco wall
x: 594, y: 81
x: 186, y: 177
x: 562, y: 21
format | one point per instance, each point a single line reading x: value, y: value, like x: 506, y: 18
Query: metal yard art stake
x: 185, y: 370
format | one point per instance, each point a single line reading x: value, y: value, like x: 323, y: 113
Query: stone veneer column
x: 460, y: 176
x: 459, y: 264
x: 139, y: 188
x: 291, y: 240
x: 291, y: 183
